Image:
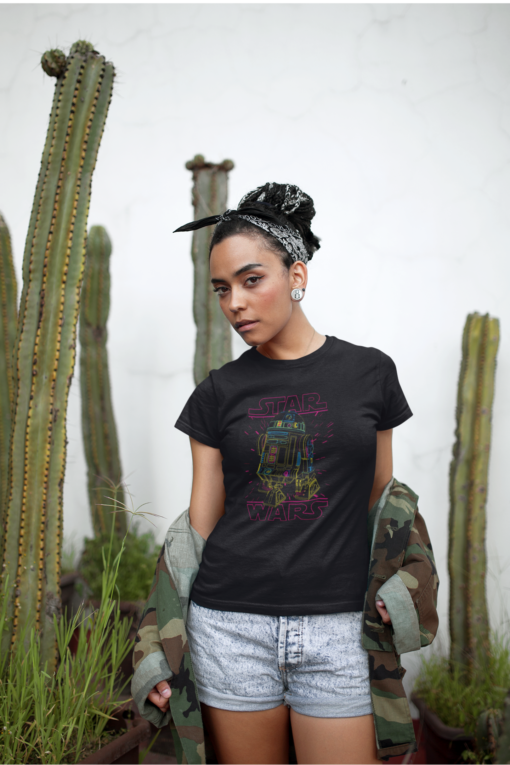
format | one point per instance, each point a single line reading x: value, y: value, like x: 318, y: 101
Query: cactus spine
x: 469, y: 623
x: 98, y: 423
x: 46, y: 340
x: 213, y: 344
x: 8, y: 318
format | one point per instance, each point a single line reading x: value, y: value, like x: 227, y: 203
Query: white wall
x: 395, y: 118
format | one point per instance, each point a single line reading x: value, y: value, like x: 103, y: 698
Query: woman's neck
x: 297, y: 339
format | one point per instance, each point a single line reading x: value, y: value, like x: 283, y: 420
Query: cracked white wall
x: 395, y: 118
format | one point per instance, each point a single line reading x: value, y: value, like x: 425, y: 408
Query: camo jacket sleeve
x: 161, y: 644
x: 410, y: 595
x: 149, y: 661
x: 402, y: 573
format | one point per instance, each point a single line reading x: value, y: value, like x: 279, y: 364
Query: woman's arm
x: 383, y: 465
x: 383, y: 474
x: 207, y: 503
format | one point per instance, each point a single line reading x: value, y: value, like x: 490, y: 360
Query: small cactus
x: 53, y: 264
x: 469, y: 623
x: 54, y: 62
x: 493, y: 734
x: 213, y: 346
x: 8, y: 318
x: 98, y: 423
x: 503, y: 747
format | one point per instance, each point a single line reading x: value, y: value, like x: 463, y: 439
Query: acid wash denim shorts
x: 247, y: 662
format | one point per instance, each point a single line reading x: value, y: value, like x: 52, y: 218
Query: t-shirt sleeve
x: 199, y: 418
x: 395, y: 409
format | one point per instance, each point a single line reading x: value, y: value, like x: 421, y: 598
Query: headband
x: 265, y: 219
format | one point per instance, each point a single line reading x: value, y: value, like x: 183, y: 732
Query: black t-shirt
x: 298, y: 441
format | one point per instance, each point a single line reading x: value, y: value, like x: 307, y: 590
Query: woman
x: 291, y: 446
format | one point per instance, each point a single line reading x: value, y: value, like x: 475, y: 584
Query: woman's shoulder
x: 367, y: 353
x: 232, y: 367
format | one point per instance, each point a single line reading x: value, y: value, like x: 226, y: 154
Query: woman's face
x: 254, y: 287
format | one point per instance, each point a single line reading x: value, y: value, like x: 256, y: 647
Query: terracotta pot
x: 443, y: 744
x: 133, y: 731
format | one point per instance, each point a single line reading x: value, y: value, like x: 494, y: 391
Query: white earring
x: 297, y: 294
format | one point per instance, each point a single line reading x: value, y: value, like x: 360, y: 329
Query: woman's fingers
x: 160, y: 695
x: 379, y: 604
x: 164, y: 689
x: 158, y: 700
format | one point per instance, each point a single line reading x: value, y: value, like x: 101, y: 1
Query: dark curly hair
x: 292, y: 207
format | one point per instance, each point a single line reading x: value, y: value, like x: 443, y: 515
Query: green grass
x: 456, y: 701
x: 55, y: 718
x: 136, y: 568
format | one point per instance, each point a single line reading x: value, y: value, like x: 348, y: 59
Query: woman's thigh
x: 333, y: 740
x: 248, y: 737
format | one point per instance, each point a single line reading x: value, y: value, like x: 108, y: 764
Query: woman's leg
x: 249, y: 737
x: 333, y: 740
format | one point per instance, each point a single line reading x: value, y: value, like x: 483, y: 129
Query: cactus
x: 493, y: 734
x: 8, y: 318
x: 469, y: 624
x: 213, y: 344
x: 46, y: 340
x: 503, y: 748
x: 98, y: 423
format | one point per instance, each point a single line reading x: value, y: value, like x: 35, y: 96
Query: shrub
x: 136, y: 568
x: 455, y: 699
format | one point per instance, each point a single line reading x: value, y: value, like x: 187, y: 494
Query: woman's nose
x: 237, y: 299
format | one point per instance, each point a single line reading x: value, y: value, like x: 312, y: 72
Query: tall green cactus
x: 469, y: 623
x: 46, y: 340
x: 98, y: 423
x: 213, y: 346
x: 8, y: 318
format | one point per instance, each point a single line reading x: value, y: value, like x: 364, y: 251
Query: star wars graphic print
x: 288, y: 486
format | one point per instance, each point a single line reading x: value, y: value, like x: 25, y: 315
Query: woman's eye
x: 253, y: 279
x: 220, y: 290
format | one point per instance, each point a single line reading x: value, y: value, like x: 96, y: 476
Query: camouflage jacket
x: 402, y: 573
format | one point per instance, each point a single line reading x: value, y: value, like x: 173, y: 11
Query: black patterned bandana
x: 289, y: 237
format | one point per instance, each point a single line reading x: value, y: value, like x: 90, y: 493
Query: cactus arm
x: 68, y: 341
x: 39, y: 447
x: 41, y: 220
x: 28, y: 323
x: 46, y: 347
x: 98, y: 422
x: 469, y: 624
x: 459, y: 488
x: 51, y: 144
x: 8, y: 319
x: 213, y: 340
x: 478, y: 620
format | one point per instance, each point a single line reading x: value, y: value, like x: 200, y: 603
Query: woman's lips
x: 247, y: 327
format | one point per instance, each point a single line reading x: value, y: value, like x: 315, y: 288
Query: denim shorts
x: 247, y: 662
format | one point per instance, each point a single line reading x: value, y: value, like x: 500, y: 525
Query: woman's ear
x: 298, y: 275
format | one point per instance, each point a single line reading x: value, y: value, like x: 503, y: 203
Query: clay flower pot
x: 133, y: 731
x: 443, y: 744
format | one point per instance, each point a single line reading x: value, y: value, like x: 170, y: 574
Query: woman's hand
x: 160, y: 695
x: 379, y: 604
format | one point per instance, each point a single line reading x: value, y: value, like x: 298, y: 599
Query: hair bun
x: 292, y: 203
